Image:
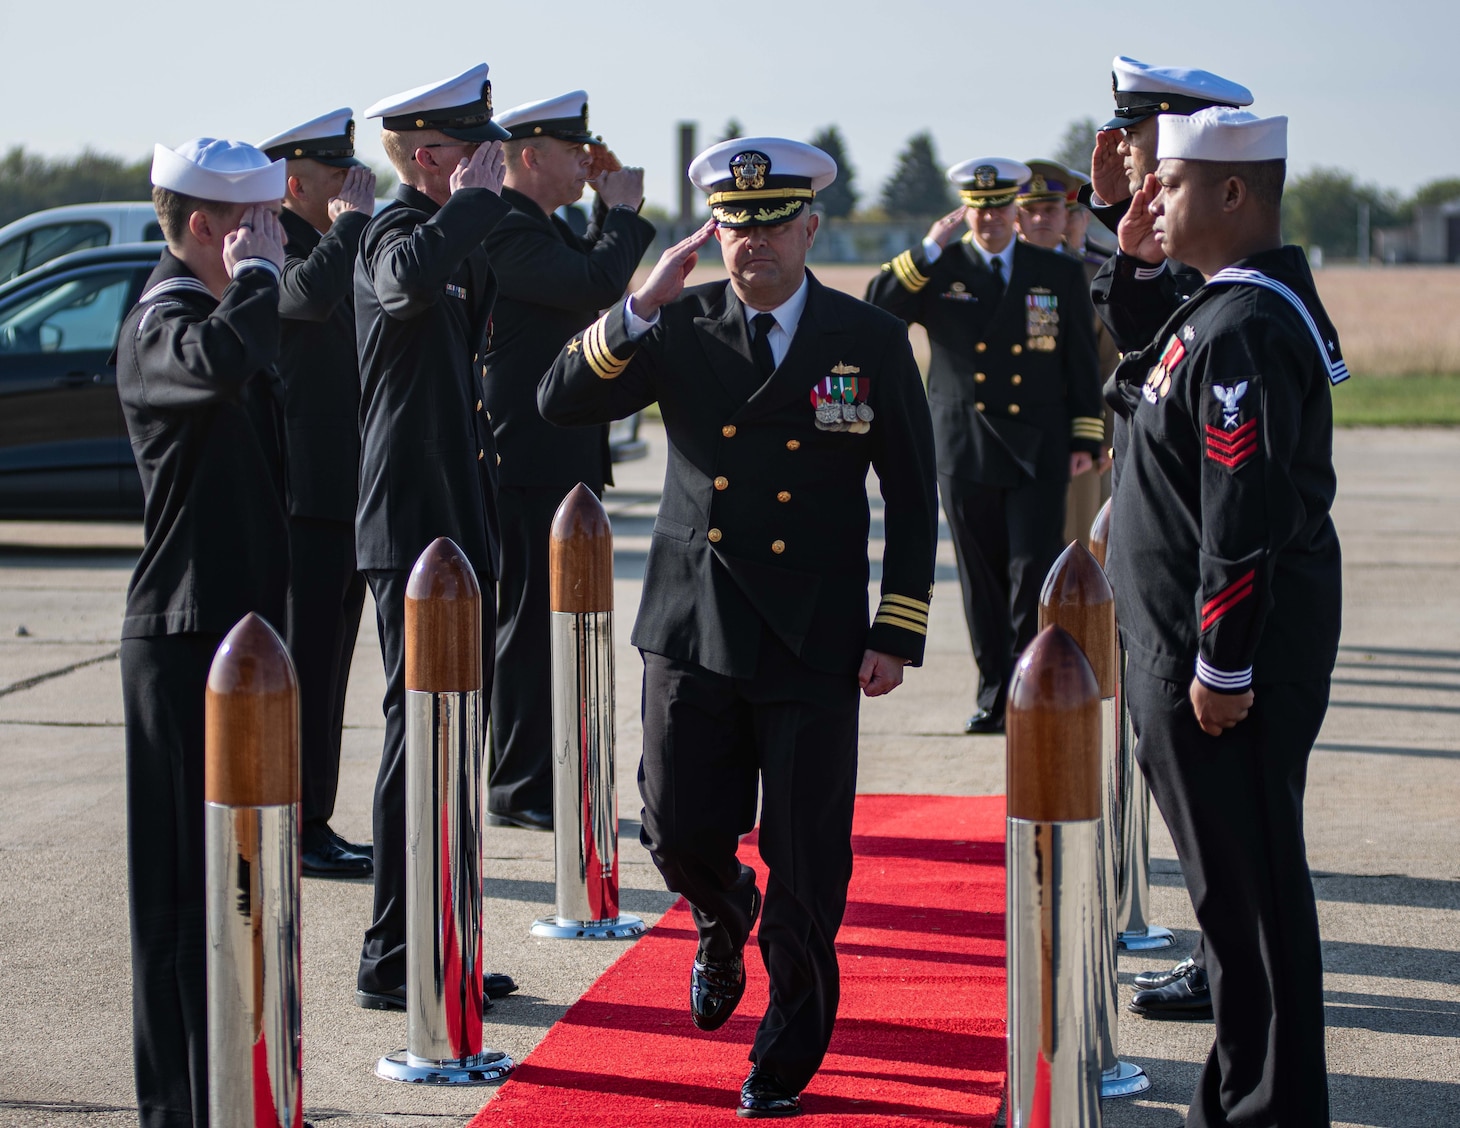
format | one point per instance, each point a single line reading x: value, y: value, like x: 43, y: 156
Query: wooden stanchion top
x: 1100, y: 534
x: 1077, y: 596
x: 443, y: 622
x: 580, y: 555
x: 1053, y: 722
x: 251, y: 727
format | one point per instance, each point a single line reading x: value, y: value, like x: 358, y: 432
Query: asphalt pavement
x: 1383, y: 810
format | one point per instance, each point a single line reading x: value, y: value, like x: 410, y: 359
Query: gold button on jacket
x: 783, y: 496
x: 722, y: 483
x: 728, y: 430
x: 778, y: 547
x: 714, y: 535
x: 793, y: 444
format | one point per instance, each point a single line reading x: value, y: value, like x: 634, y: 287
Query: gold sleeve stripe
x: 907, y: 602
x: 907, y: 273
x: 1087, y: 427
x: 595, y: 350
x: 887, y: 619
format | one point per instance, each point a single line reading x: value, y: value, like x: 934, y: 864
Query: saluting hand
x: 1217, y: 712
x: 486, y: 169
x: 357, y: 193
x: 620, y: 188
x: 880, y: 673
x: 943, y: 231
x: 1137, y: 231
x: 1107, y: 168
x: 259, y: 235
x: 666, y: 280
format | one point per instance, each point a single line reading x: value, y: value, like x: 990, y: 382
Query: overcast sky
x: 1367, y: 87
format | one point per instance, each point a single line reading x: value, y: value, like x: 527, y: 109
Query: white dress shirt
x: 787, y: 315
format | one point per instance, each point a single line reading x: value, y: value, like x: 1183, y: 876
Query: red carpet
x: 920, y: 1034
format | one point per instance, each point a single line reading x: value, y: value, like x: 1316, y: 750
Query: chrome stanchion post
x: 1054, y: 924
x: 1077, y: 597
x: 251, y: 845
x: 445, y: 731
x: 585, y: 793
x: 1133, y: 862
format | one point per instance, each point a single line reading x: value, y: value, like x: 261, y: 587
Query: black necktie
x: 996, y: 264
x: 760, y: 342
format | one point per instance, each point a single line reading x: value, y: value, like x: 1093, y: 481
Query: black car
x: 64, y: 453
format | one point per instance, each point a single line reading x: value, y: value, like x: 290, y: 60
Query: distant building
x: 1433, y: 237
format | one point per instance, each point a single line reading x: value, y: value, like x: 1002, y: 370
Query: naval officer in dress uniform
x: 1227, y: 584
x: 201, y: 400
x: 423, y: 302
x: 777, y: 394
x: 329, y: 200
x: 551, y: 285
x: 1015, y: 400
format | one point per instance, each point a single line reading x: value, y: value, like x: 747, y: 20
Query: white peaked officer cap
x: 1143, y: 90
x: 564, y: 117
x: 989, y: 182
x: 225, y: 172
x: 760, y: 181
x: 459, y: 107
x: 329, y: 139
x: 1220, y: 133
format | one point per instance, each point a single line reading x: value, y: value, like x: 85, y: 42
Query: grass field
x: 1399, y: 327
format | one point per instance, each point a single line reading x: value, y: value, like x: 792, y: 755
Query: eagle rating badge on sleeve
x: 1234, y: 442
x: 840, y: 401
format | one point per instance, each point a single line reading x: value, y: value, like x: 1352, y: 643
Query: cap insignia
x: 750, y: 169
x: 350, y: 131
x: 487, y: 95
x: 1038, y: 185
x: 985, y: 176
x: 585, y: 117
x: 1114, y: 83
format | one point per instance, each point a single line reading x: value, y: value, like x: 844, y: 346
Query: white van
x: 44, y: 235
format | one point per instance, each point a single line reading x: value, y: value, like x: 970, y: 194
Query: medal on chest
x: 840, y: 401
x: 1158, y: 380
x: 1041, y: 320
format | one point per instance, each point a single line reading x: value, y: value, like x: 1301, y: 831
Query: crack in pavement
x: 50, y: 675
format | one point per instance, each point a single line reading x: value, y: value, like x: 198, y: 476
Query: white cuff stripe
x: 257, y: 264
x: 1146, y: 273
x: 1214, y: 678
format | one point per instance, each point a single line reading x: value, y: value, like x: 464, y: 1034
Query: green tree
x: 839, y: 198
x: 1321, y: 208
x: 29, y: 182
x: 732, y: 130
x: 917, y: 188
x: 1076, y: 145
x: 1437, y: 192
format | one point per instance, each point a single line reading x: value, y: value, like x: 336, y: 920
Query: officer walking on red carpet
x: 1227, y: 583
x: 777, y: 395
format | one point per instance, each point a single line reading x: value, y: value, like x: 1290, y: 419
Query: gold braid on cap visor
x: 985, y: 199
x: 760, y: 215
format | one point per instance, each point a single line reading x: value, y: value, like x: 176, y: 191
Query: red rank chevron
x: 1226, y: 599
x: 1232, y: 448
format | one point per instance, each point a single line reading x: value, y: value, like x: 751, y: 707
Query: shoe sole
x: 758, y: 1114
x: 1196, y: 1014
x: 513, y: 824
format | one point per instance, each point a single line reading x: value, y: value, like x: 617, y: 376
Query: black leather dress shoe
x: 715, y: 986
x: 524, y: 820
x: 1188, y: 999
x: 1147, y: 980
x: 984, y: 723
x: 323, y: 853
x: 494, y: 986
x: 763, y: 1097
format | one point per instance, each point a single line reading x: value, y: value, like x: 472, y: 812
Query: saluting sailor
x: 423, y: 301
x: 1015, y: 399
x: 777, y: 394
x: 551, y: 285
x: 329, y: 199
x: 1226, y: 571
x: 201, y: 401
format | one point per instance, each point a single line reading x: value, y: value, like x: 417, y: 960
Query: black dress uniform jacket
x: 202, y: 405
x: 551, y: 284
x: 1013, y: 384
x: 764, y: 516
x: 318, y: 361
x: 1227, y: 562
x: 1134, y: 298
x: 428, y: 461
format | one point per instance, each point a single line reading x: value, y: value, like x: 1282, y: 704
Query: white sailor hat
x: 1141, y: 91
x: 759, y: 181
x: 225, y: 172
x: 989, y: 182
x: 459, y: 107
x: 1049, y: 180
x: 328, y: 139
x: 564, y: 117
x: 1223, y: 133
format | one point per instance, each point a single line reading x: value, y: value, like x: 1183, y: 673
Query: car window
x: 11, y: 256
x: 74, y: 313
x: 59, y: 239
x: 152, y: 233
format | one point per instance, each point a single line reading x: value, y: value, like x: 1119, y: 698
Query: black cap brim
x: 1124, y: 122
x: 487, y: 131
x: 339, y: 162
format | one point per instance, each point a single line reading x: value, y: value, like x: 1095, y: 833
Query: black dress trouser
x: 163, y: 681
x: 1005, y: 539
x: 708, y: 740
x: 383, y: 954
x: 1234, y: 805
x: 326, y: 594
x: 522, y: 693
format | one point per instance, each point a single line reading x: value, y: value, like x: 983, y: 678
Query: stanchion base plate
x: 479, y: 1069
x: 1147, y: 940
x: 625, y: 926
x: 1123, y: 1080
